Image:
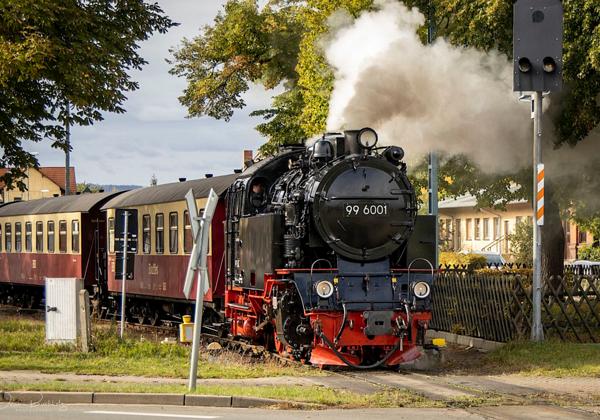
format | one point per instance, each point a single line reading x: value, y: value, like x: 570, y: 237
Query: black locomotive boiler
x: 327, y: 259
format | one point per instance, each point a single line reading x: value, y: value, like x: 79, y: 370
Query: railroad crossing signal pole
x: 537, y: 56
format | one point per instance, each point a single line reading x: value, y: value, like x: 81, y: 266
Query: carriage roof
x: 175, y: 191
x: 82, y: 203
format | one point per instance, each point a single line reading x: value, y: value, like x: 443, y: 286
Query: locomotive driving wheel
x: 293, y: 333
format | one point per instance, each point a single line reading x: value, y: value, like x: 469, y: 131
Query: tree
x: 245, y: 45
x: 54, y: 53
x: 522, y: 243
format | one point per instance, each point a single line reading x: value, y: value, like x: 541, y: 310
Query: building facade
x: 464, y: 227
x: 42, y: 182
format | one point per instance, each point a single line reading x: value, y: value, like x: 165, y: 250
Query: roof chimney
x: 247, y: 160
x: 182, y: 179
x: 208, y: 175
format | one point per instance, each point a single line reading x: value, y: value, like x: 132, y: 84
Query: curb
x: 464, y: 340
x: 193, y: 400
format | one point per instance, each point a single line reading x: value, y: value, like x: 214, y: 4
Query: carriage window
x: 18, y: 243
x: 75, y: 236
x: 8, y: 237
x: 28, y: 238
x: 62, y: 236
x: 39, y: 236
x: 187, y: 233
x: 111, y: 235
x: 173, y: 231
x: 160, y: 233
x: 51, y: 241
x: 146, y: 233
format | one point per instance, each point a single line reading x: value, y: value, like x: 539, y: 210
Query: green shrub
x: 460, y: 259
x: 588, y: 252
x: 521, y: 242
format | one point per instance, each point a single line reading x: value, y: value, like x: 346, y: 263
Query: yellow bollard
x: 186, y: 330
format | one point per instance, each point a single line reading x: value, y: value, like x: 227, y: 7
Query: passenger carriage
x: 164, y: 243
x: 50, y: 237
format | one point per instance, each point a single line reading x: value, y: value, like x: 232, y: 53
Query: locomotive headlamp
x: 324, y: 289
x: 367, y: 138
x: 421, y: 290
x: 549, y: 65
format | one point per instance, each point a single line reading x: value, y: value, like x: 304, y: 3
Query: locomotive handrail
x: 420, y: 259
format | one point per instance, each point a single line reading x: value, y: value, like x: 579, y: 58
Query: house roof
x: 68, y: 203
x: 55, y: 174
x: 175, y: 191
x: 466, y: 201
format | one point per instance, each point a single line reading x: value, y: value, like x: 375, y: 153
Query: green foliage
x: 56, y: 55
x: 588, y: 252
x: 246, y: 45
x: 522, y: 242
x: 458, y: 259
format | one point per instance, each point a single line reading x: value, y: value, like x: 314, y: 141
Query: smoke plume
x: 426, y: 97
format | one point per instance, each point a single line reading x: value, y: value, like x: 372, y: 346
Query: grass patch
x: 22, y: 347
x: 296, y: 393
x: 549, y: 358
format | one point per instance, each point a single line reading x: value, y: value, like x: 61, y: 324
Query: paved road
x: 132, y: 412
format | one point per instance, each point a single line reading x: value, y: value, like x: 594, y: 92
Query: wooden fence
x: 495, y: 304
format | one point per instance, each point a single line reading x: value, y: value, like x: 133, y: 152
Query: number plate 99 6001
x: 365, y: 209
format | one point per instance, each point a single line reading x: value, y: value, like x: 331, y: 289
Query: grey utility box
x: 62, y: 314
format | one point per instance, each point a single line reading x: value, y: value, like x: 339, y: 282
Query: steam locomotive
x: 317, y: 253
x: 320, y: 260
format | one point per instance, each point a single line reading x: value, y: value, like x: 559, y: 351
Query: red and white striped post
x: 539, y: 210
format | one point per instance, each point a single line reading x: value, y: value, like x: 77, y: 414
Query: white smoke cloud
x: 426, y: 97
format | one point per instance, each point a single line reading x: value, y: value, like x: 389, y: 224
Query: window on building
x: 173, y: 232
x: 39, y: 236
x: 28, y: 238
x: 62, y: 236
x: 146, y: 234
x: 496, y: 228
x: 469, y: 229
x: 160, y: 233
x: 8, y: 237
x: 75, y: 236
x: 51, y: 241
x: 18, y: 239
x: 458, y: 230
x: 486, y: 229
x: 582, y: 237
x: 111, y: 235
x: 187, y: 233
x: 477, y: 229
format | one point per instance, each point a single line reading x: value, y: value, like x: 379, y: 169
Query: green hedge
x: 460, y: 259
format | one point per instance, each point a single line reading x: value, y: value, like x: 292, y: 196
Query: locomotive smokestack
x: 351, y: 146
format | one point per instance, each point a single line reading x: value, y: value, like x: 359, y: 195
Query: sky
x: 154, y: 136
